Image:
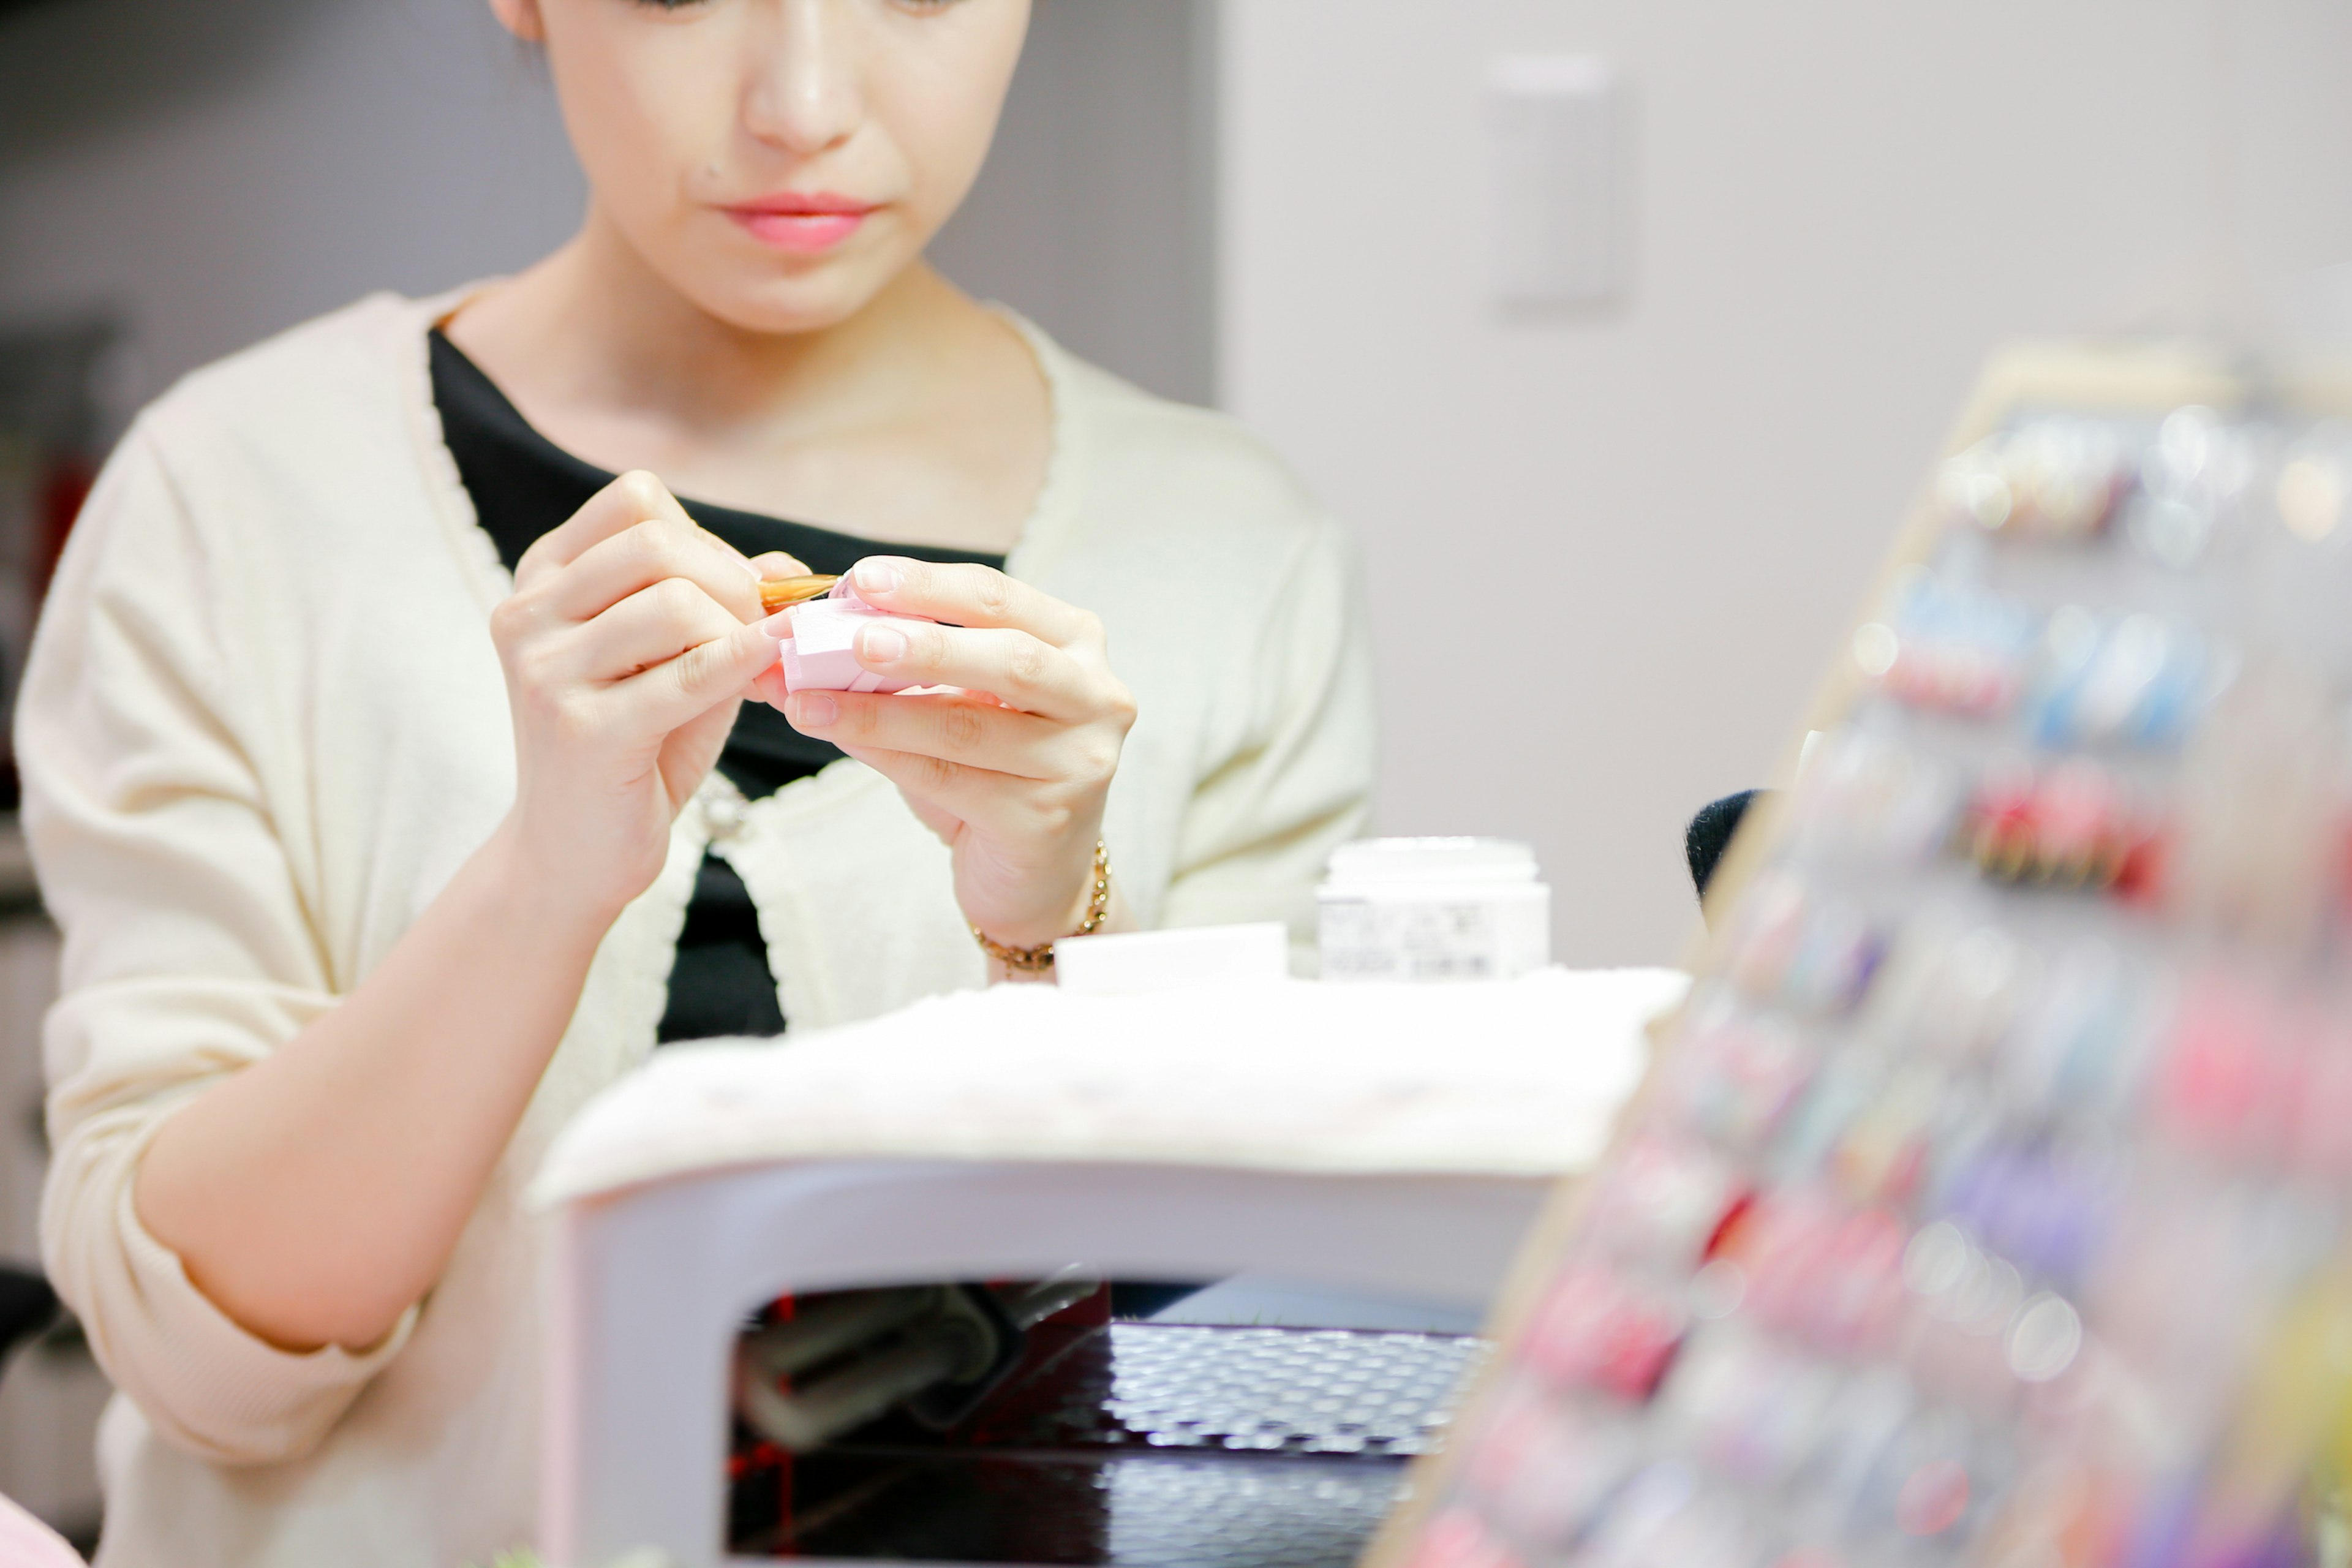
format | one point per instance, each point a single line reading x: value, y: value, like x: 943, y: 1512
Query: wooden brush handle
x: 777, y: 592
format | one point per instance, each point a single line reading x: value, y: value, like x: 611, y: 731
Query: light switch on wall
x: 1557, y: 186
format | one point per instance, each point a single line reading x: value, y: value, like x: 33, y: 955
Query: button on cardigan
x: 264, y: 723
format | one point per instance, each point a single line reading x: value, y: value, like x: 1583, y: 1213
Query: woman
x: 383, y: 749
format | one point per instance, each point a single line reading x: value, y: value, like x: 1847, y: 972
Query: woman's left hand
x: 1010, y: 770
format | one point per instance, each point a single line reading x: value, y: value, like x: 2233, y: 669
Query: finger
x: 769, y: 687
x: 629, y: 500
x: 776, y: 563
x: 725, y: 547
x: 655, y: 624
x: 945, y: 726
x: 1017, y: 668
x: 971, y: 594
x: 970, y: 794
x: 637, y: 557
x: 677, y: 691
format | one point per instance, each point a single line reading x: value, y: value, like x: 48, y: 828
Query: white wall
x: 215, y: 171
x: 218, y: 171
x: 1609, y: 554
x: 1094, y: 213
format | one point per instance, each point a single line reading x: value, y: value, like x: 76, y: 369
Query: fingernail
x: 881, y: 645
x: 777, y: 625
x: 814, y: 710
x: 876, y: 574
x: 749, y: 570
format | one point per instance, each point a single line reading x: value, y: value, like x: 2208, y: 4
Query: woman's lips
x: 805, y: 226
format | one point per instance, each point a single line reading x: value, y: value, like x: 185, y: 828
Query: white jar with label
x: 1433, y: 908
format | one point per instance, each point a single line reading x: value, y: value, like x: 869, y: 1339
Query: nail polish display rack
x: 1987, y: 1202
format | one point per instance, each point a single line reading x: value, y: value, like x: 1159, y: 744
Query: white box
x: 1128, y: 962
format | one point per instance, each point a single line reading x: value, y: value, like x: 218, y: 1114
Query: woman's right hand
x: 316, y: 1193
x: 629, y: 638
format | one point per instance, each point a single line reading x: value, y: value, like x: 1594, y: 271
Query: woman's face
x: 777, y: 162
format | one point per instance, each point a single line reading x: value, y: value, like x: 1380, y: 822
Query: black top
x: 523, y: 485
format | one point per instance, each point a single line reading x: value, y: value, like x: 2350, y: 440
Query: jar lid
x: 1394, y: 860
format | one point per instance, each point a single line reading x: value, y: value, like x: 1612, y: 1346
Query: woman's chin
x: 807, y: 299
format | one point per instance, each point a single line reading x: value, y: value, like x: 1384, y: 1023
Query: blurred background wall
x: 211, y: 171
x: 1610, y: 551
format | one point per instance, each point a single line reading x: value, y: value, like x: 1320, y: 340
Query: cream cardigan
x: 263, y: 725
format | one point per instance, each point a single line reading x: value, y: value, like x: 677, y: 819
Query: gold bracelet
x: 1039, y: 959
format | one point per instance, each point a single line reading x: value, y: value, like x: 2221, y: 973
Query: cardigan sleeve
x: 188, y: 951
x: 1263, y: 823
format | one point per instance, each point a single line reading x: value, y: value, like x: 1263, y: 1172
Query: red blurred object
x: 2071, y: 826
x: 1456, y: 1539
x: 58, y: 381
x: 1598, y: 1330
x: 62, y: 489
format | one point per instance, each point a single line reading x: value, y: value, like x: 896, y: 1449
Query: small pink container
x: 819, y: 655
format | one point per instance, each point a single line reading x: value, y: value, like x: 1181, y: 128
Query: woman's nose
x: 805, y: 94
